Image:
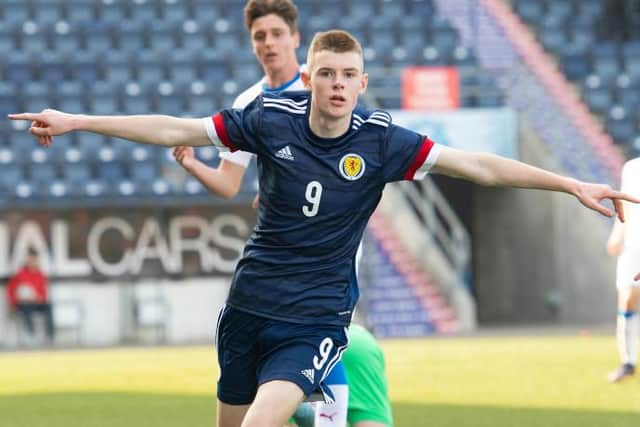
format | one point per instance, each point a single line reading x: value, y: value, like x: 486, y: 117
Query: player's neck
x: 324, y: 126
x: 277, y: 78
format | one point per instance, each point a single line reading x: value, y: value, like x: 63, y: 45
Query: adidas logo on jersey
x: 309, y: 374
x: 285, y: 153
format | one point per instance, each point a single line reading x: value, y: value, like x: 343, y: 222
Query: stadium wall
x: 539, y: 257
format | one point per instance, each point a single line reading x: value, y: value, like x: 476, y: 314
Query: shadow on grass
x: 95, y: 409
x: 422, y: 415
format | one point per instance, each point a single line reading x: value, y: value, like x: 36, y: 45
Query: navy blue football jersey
x: 316, y: 196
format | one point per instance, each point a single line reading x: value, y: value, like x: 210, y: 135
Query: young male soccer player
x: 293, y: 291
x: 272, y: 25
x: 624, y: 242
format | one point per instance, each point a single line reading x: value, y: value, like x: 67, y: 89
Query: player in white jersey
x: 624, y: 242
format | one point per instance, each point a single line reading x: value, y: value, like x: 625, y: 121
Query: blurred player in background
x: 323, y: 163
x: 624, y: 242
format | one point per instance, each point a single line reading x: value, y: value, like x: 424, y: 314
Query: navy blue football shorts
x: 253, y: 350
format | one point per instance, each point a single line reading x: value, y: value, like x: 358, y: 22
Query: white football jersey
x: 243, y: 158
x: 631, y: 185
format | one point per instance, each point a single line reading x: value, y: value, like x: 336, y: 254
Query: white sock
x: 627, y: 336
x: 334, y: 414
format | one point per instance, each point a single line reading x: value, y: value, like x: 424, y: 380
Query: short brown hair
x: 337, y: 41
x: 285, y: 9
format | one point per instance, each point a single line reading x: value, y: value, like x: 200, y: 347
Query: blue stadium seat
x: 181, y: 66
x: 8, y: 99
x: 174, y: 11
x: 206, y: 11
x: 41, y: 176
x: 164, y: 37
x: 606, y: 67
x: 103, y: 98
x: 226, y: 43
x: 212, y: 66
x: 33, y: 38
x: 117, y: 67
x: 76, y: 176
x: 80, y: 11
x: 194, y: 39
x: 130, y: 36
x: 97, y: 37
x: 53, y: 67
x: 143, y: 11
x: 136, y: 98
x: 66, y: 38
x: 90, y: 145
x: 149, y: 67
x: 112, y: 173
x: 169, y: 99
x: 599, y: 100
x: 14, y: 10
x: 36, y: 96
x: 576, y: 67
x: 7, y: 40
x: 47, y: 13
x: 111, y: 11
x: 84, y: 67
x: 19, y: 68
x: 12, y: 174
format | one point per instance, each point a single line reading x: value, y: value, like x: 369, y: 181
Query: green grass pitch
x: 503, y: 381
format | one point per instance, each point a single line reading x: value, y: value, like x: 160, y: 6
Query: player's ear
x: 364, y: 82
x: 296, y: 39
x: 306, y: 78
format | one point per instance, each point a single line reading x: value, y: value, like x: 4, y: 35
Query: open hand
x: 46, y: 124
x: 591, y: 195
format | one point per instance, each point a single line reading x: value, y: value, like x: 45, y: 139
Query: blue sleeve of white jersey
x: 239, y: 129
x: 408, y: 155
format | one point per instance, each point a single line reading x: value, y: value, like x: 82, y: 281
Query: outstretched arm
x: 492, y: 170
x: 223, y: 181
x: 148, y: 129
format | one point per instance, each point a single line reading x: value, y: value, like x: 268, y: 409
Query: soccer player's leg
x: 238, y: 359
x: 298, y: 363
x: 334, y: 414
x: 627, y: 319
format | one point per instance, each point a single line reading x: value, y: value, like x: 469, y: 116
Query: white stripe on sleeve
x: 213, y: 135
x: 431, y: 160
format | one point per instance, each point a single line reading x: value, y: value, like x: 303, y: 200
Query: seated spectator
x: 27, y: 294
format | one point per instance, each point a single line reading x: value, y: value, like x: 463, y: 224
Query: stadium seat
x: 169, y: 99
x: 174, y: 11
x: 194, y: 39
x: 14, y: 10
x: 84, y: 67
x: 164, y: 37
x: 47, y: 13
x: 136, y: 98
x: 52, y: 67
x: 66, y: 38
x: 41, y: 176
x: 8, y: 98
x: 149, y: 67
x: 79, y: 11
x: 130, y: 36
x: 117, y: 67
x: 36, y: 95
x: 19, y: 68
x: 97, y: 37
x: 181, y: 66
x: 12, y: 174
